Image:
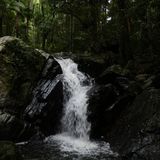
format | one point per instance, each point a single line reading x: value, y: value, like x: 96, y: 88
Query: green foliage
x: 129, y: 28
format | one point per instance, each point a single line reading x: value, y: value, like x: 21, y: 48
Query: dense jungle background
x: 88, y: 68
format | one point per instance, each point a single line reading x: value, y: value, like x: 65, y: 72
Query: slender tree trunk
x: 124, y: 48
x: 1, y: 18
x: 94, y: 20
x: 1, y: 26
x: 43, y: 32
x: 71, y: 33
x: 27, y: 28
x: 17, y: 25
x: 27, y: 21
x: 43, y: 42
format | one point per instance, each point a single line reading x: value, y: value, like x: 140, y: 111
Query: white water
x: 76, y: 85
x: 75, y: 128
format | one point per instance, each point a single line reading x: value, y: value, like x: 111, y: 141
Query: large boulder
x: 136, y: 133
x: 20, y: 69
x: 45, y: 108
x: 110, y: 96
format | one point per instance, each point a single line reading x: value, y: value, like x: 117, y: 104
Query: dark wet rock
x: 45, y: 108
x: 105, y: 107
x: 51, y: 69
x: 14, y: 128
x: 145, y: 80
x: 8, y: 151
x: 48, y: 117
x: 156, y: 81
x: 109, y: 98
x: 90, y: 66
x: 136, y: 133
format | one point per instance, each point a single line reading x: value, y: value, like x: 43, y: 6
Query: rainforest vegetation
x: 79, y: 79
x: 129, y: 28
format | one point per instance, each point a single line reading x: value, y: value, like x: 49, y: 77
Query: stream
x: 72, y: 142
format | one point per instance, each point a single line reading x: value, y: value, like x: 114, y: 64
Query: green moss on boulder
x: 20, y: 68
x: 8, y: 151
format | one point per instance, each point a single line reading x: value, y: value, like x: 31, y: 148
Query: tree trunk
x: 27, y: 21
x: 94, y: 20
x: 124, y: 41
x: 1, y: 26
x: 71, y: 33
x: 17, y: 25
x: 43, y: 41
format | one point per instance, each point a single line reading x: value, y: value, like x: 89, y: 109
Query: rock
x: 108, y: 99
x: 105, y: 107
x: 20, y: 69
x: 147, y: 80
x: 115, y: 68
x: 119, y: 81
x: 142, y: 77
x: 93, y: 65
x: 10, y: 126
x: 90, y: 66
x: 45, y: 108
x: 14, y: 128
x: 156, y: 81
x: 136, y: 133
x: 8, y: 151
x: 52, y: 112
x: 102, y: 97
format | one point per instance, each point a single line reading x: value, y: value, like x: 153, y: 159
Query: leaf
x: 20, y: 5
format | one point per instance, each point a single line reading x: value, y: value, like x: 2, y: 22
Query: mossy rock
x: 20, y: 68
x: 8, y: 151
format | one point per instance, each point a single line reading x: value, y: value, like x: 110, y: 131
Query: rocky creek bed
x: 123, y: 105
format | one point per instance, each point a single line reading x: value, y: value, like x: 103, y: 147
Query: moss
x: 8, y: 151
x: 20, y: 68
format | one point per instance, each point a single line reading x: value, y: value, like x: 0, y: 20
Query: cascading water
x: 75, y: 128
x: 73, y: 141
x: 76, y: 86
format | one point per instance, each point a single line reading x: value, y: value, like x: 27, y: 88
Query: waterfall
x: 74, y: 136
x: 76, y: 85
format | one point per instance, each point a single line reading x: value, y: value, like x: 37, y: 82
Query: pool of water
x: 63, y: 147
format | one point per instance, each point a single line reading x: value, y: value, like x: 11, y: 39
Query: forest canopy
x: 129, y: 28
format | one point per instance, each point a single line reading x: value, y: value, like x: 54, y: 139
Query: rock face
x: 20, y: 68
x: 110, y: 96
x: 136, y: 134
x: 45, y: 109
x: 19, y: 71
x: 8, y: 151
x: 31, y: 93
x: 125, y: 112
